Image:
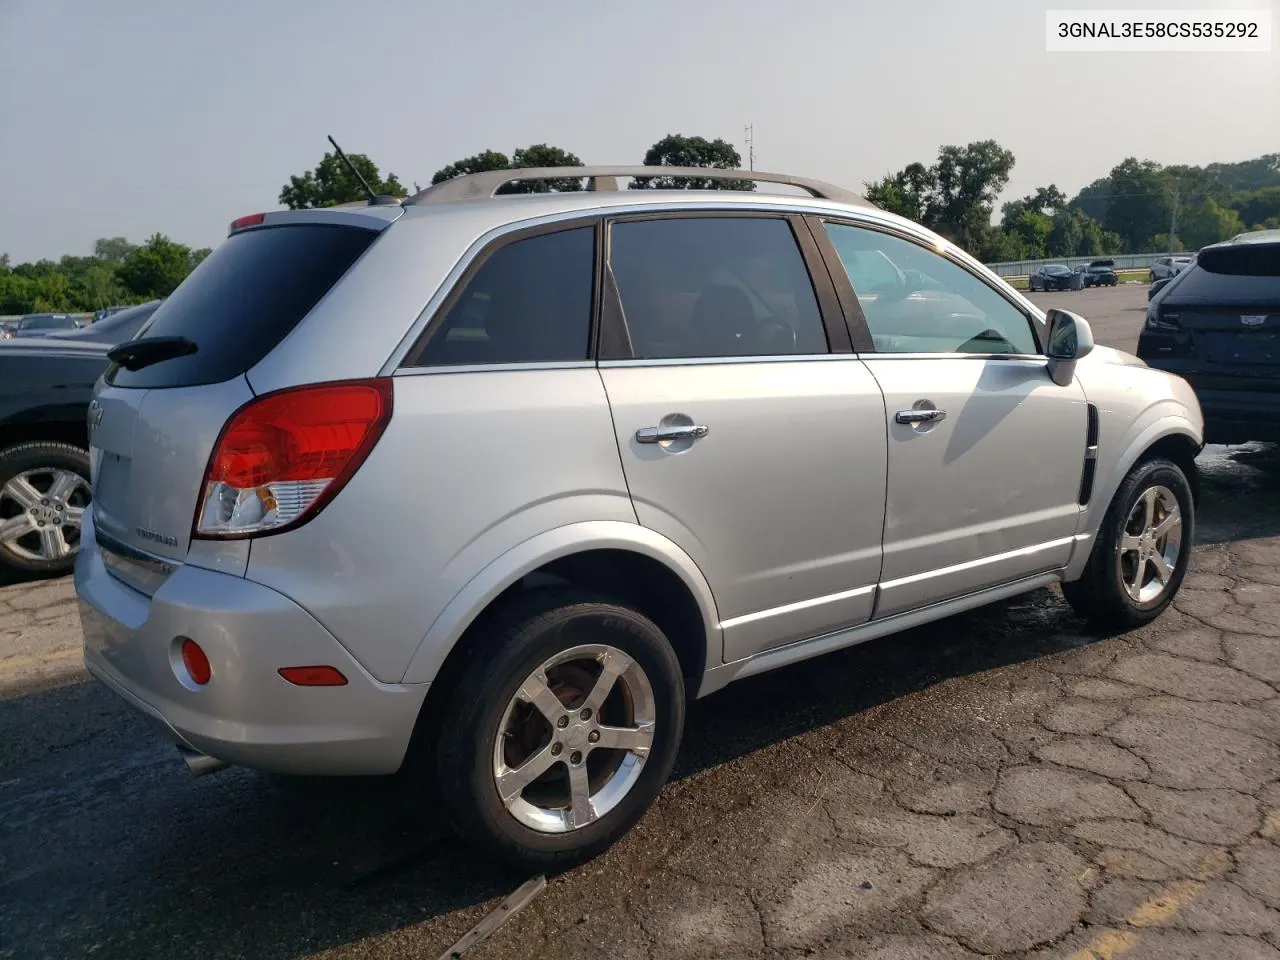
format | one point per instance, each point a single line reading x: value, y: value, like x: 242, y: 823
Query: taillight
x: 283, y: 456
x: 1158, y: 320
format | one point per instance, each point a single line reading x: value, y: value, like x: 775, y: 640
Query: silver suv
x: 500, y: 481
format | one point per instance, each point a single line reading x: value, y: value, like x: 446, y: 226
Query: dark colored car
x: 1217, y: 324
x: 1053, y: 276
x: 117, y: 328
x: 46, y: 384
x: 1157, y: 286
x: 42, y: 324
x: 1100, y: 273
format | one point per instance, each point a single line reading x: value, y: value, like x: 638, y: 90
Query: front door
x: 745, y: 438
x: 985, y: 450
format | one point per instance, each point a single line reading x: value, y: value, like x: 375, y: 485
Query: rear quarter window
x: 244, y: 299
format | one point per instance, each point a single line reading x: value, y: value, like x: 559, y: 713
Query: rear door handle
x: 692, y: 431
x: 920, y: 416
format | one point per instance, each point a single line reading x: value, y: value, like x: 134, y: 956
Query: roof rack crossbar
x: 474, y: 186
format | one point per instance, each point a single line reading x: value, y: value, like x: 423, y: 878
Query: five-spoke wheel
x: 561, y: 728
x: 1140, y: 554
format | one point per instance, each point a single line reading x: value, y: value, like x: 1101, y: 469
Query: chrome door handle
x: 692, y: 431
x: 920, y: 416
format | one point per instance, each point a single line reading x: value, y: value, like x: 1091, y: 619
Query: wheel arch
x: 1173, y: 437
x: 613, y: 557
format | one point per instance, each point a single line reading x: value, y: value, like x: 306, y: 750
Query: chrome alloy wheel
x: 574, y: 738
x: 41, y: 511
x: 1151, y: 544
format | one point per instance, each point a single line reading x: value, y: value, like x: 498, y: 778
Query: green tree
x: 1255, y: 207
x: 905, y: 193
x: 113, y: 248
x: 332, y: 183
x: 1076, y: 234
x: 968, y: 179
x: 156, y: 268
x: 1204, y: 222
x: 481, y: 163
x: 1140, y: 204
x: 523, y: 158
x: 678, y: 150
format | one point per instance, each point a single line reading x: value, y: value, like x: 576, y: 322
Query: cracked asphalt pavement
x: 1001, y: 784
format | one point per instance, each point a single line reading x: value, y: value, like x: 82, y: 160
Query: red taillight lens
x: 249, y: 220
x: 284, y: 455
x: 197, y: 664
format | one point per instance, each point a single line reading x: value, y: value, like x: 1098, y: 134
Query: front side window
x: 709, y: 287
x: 917, y: 301
x: 530, y: 302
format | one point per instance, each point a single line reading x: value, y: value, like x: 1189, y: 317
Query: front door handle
x: 920, y: 416
x: 675, y: 431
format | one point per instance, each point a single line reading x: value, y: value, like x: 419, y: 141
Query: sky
x: 137, y: 116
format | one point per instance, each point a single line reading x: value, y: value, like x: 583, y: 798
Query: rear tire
x: 44, y: 486
x: 527, y: 701
x: 1142, y: 550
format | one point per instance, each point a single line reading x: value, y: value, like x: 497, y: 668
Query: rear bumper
x: 247, y: 714
x: 1231, y: 417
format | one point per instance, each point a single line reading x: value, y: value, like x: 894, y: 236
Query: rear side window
x: 244, y: 299
x: 705, y: 288
x: 530, y: 302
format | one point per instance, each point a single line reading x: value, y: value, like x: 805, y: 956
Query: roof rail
x: 475, y: 186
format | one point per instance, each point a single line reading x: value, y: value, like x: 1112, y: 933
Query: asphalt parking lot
x: 1000, y: 784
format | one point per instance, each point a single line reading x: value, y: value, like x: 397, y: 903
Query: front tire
x: 1142, y: 550
x: 562, y: 729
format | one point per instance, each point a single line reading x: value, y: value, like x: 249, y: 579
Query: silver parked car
x: 506, y: 479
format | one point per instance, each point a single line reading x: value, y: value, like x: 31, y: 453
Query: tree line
x: 1140, y: 206
x: 117, y: 273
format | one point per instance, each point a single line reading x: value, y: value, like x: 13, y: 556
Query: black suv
x: 1217, y: 324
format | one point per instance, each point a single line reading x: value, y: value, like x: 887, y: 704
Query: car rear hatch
x: 162, y: 403
x: 1229, y: 307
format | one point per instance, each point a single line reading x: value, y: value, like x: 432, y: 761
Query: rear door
x: 152, y: 429
x: 750, y: 434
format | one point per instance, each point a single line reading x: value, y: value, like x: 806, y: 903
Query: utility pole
x: 751, y: 146
x: 1173, y: 219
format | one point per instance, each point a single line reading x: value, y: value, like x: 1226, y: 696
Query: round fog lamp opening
x: 197, y: 664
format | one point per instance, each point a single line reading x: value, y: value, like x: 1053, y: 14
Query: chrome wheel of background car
x: 574, y: 738
x: 1151, y: 544
x: 41, y: 511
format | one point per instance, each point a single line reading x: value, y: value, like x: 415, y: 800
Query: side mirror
x: 1070, y: 340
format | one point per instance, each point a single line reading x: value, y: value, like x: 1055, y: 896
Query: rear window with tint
x: 1232, y: 277
x: 244, y: 299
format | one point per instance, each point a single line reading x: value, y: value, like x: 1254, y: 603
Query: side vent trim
x: 1090, y: 456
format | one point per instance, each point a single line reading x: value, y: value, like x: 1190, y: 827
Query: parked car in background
x: 1053, y: 276
x: 42, y: 324
x: 45, y: 387
x: 120, y: 326
x: 1217, y: 323
x: 1099, y: 273
x: 660, y: 504
x: 1167, y: 267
